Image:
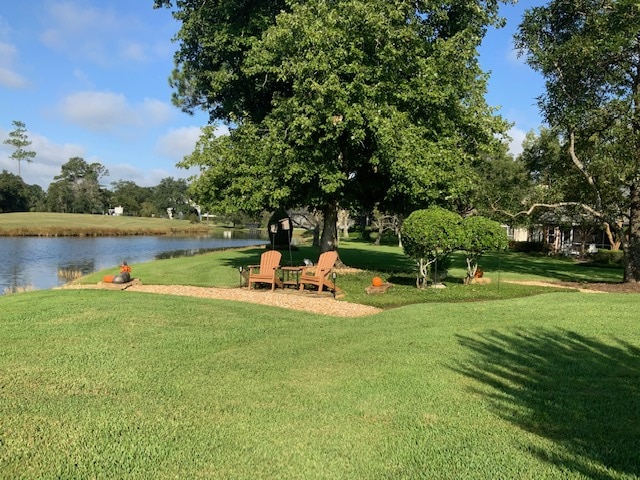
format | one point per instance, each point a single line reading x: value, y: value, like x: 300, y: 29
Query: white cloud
x: 514, y: 57
x: 155, y: 111
x: 108, y: 111
x: 103, y: 36
x: 9, y: 77
x: 135, y: 51
x: 143, y: 177
x: 179, y: 142
x: 517, y: 137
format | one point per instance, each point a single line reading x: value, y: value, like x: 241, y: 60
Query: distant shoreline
x: 100, y: 232
x: 47, y: 224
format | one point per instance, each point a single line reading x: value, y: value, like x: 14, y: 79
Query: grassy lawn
x: 27, y: 223
x: 531, y: 385
x: 220, y: 269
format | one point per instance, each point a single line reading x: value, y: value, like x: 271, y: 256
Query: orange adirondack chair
x: 266, y: 271
x: 320, y: 277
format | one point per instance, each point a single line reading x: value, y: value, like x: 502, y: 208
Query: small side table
x: 288, y: 277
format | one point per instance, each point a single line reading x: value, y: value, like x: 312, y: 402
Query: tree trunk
x: 632, y: 240
x: 343, y: 222
x: 614, y: 239
x: 380, y: 232
x: 330, y: 230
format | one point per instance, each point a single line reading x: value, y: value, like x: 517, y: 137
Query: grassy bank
x: 72, y: 224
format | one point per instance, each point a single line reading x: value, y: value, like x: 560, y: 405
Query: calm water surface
x: 42, y: 263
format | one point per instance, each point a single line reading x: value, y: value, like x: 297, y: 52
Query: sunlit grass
x: 220, y: 269
x: 71, y: 224
x: 111, y: 384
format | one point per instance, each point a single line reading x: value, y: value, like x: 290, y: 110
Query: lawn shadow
x: 581, y: 394
x: 563, y: 269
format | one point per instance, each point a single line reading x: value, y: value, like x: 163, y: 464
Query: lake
x: 48, y: 262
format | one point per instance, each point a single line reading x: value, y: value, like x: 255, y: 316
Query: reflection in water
x: 73, y: 270
x: 47, y: 262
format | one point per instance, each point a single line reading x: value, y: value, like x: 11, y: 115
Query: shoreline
x: 100, y: 232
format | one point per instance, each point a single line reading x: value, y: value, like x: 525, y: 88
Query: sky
x: 89, y: 79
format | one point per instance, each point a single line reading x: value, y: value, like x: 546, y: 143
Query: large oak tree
x: 335, y: 103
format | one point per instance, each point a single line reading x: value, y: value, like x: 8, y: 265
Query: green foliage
x: 480, y: 235
x: 504, y: 184
x: 77, y: 189
x: 19, y: 140
x: 131, y: 198
x: 587, y: 51
x: 431, y: 233
x: 429, y: 236
x: 335, y: 103
x: 529, y: 247
x: 14, y: 193
x: 171, y: 193
x: 607, y: 258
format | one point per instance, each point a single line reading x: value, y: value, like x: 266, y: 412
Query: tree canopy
x: 14, y: 193
x: 19, y: 140
x: 77, y: 189
x: 589, y: 54
x: 343, y: 103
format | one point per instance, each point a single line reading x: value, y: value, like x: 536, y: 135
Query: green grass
x: 74, y: 224
x: 110, y: 384
x: 443, y: 384
x: 220, y: 269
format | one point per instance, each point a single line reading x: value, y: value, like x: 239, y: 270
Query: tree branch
x: 535, y: 206
x: 580, y: 166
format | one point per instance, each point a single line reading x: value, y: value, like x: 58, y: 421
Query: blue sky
x: 89, y: 79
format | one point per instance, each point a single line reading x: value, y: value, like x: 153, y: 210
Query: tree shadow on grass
x: 563, y: 269
x: 581, y: 394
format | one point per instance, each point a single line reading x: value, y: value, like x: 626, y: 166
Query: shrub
x: 480, y: 235
x: 607, y: 258
x: 429, y: 236
x: 528, y: 247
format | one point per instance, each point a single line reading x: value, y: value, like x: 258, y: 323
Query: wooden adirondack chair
x: 266, y: 271
x: 320, y: 277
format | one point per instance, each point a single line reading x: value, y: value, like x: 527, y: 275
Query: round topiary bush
x: 429, y: 236
x: 481, y: 235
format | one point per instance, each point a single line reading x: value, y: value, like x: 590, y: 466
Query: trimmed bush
x: 480, y: 235
x: 429, y: 236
